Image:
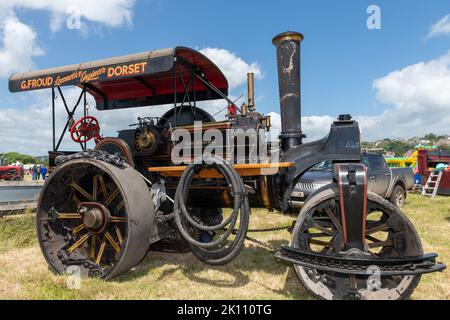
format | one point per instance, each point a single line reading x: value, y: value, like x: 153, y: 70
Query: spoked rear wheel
x: 96, y: 216
x: 389, y: 234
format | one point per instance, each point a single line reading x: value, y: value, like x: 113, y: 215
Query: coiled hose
x: 218, y: 251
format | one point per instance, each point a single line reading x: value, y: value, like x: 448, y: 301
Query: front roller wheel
x: 95, y: 216
x: 389, y: 234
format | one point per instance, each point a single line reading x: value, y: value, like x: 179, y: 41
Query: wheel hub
x: 93, y: 219
x: 96, y: 216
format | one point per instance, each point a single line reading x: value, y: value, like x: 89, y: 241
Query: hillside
x: 398, y: 147
x: 12, y: 157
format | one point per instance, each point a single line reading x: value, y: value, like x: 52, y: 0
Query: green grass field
x: 255, y: 274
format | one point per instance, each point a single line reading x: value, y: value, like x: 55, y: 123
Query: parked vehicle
x: 13, y: 173
x: 389, y: 183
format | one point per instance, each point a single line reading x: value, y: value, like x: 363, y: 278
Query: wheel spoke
x: 118, y: 219
x: 119, y: 235
x: 78, y: 229
x: 69, y: 216
x: 78, y: 188
x: 320, y: 228
x: 111, y: 197
x: 120, y: 206
x: 93, y: 246
x: 100, y: 252
x: 320, y: 243
x: 333, y: 218
x: 317, y: 235
x: 76, y: 200
x: 373, y: 239
x: 95, y: 188
x: 102, y: 186
x: 113, y: 243
x: 79, y: 242
x: 387, y: 243
x: 381, y: 227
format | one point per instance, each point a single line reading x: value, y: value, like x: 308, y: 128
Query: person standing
x: 43, y: 171
x: 34, y: 171
x: 38, y: 173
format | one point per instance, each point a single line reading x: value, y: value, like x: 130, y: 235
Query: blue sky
x: 341, y: 57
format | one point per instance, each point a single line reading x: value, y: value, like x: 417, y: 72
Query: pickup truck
x: 389, y: 183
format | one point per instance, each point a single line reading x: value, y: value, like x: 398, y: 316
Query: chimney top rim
x: 287, y: 36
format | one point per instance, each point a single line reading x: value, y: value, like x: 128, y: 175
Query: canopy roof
x: 141, y: 79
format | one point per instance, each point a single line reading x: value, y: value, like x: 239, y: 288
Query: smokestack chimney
x: 251, y: 91
x: 288, y: 59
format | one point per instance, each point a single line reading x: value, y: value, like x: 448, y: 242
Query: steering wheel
x: 85, y: 129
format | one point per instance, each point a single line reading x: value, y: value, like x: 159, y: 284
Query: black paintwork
x: 288, y: 55
x: 352, y: 185
x: 341, y: 145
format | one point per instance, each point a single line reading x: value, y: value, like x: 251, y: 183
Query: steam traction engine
x: 101, y: 210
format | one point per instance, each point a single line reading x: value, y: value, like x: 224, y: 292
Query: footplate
x: 360, y: 265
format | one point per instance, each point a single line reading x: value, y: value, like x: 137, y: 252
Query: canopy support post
x: 53, y: 118
x: 186, y: 92
x: 85, y: 112
x: 208, y: 84
x: 175, y: 88
x: 99, y: 92
x: 69, y: 115
x: 195, y: 91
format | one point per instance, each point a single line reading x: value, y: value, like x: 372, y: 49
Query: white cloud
x: 234, y: 67
x: 441, y: 27
x: 18, y: 46
x: 315, y: 127
x: 18, y: 41
x: 111, y: 13
x: 419, y: 94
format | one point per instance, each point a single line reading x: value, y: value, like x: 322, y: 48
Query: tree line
x: 400, y: 147
x: 13, y: 157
